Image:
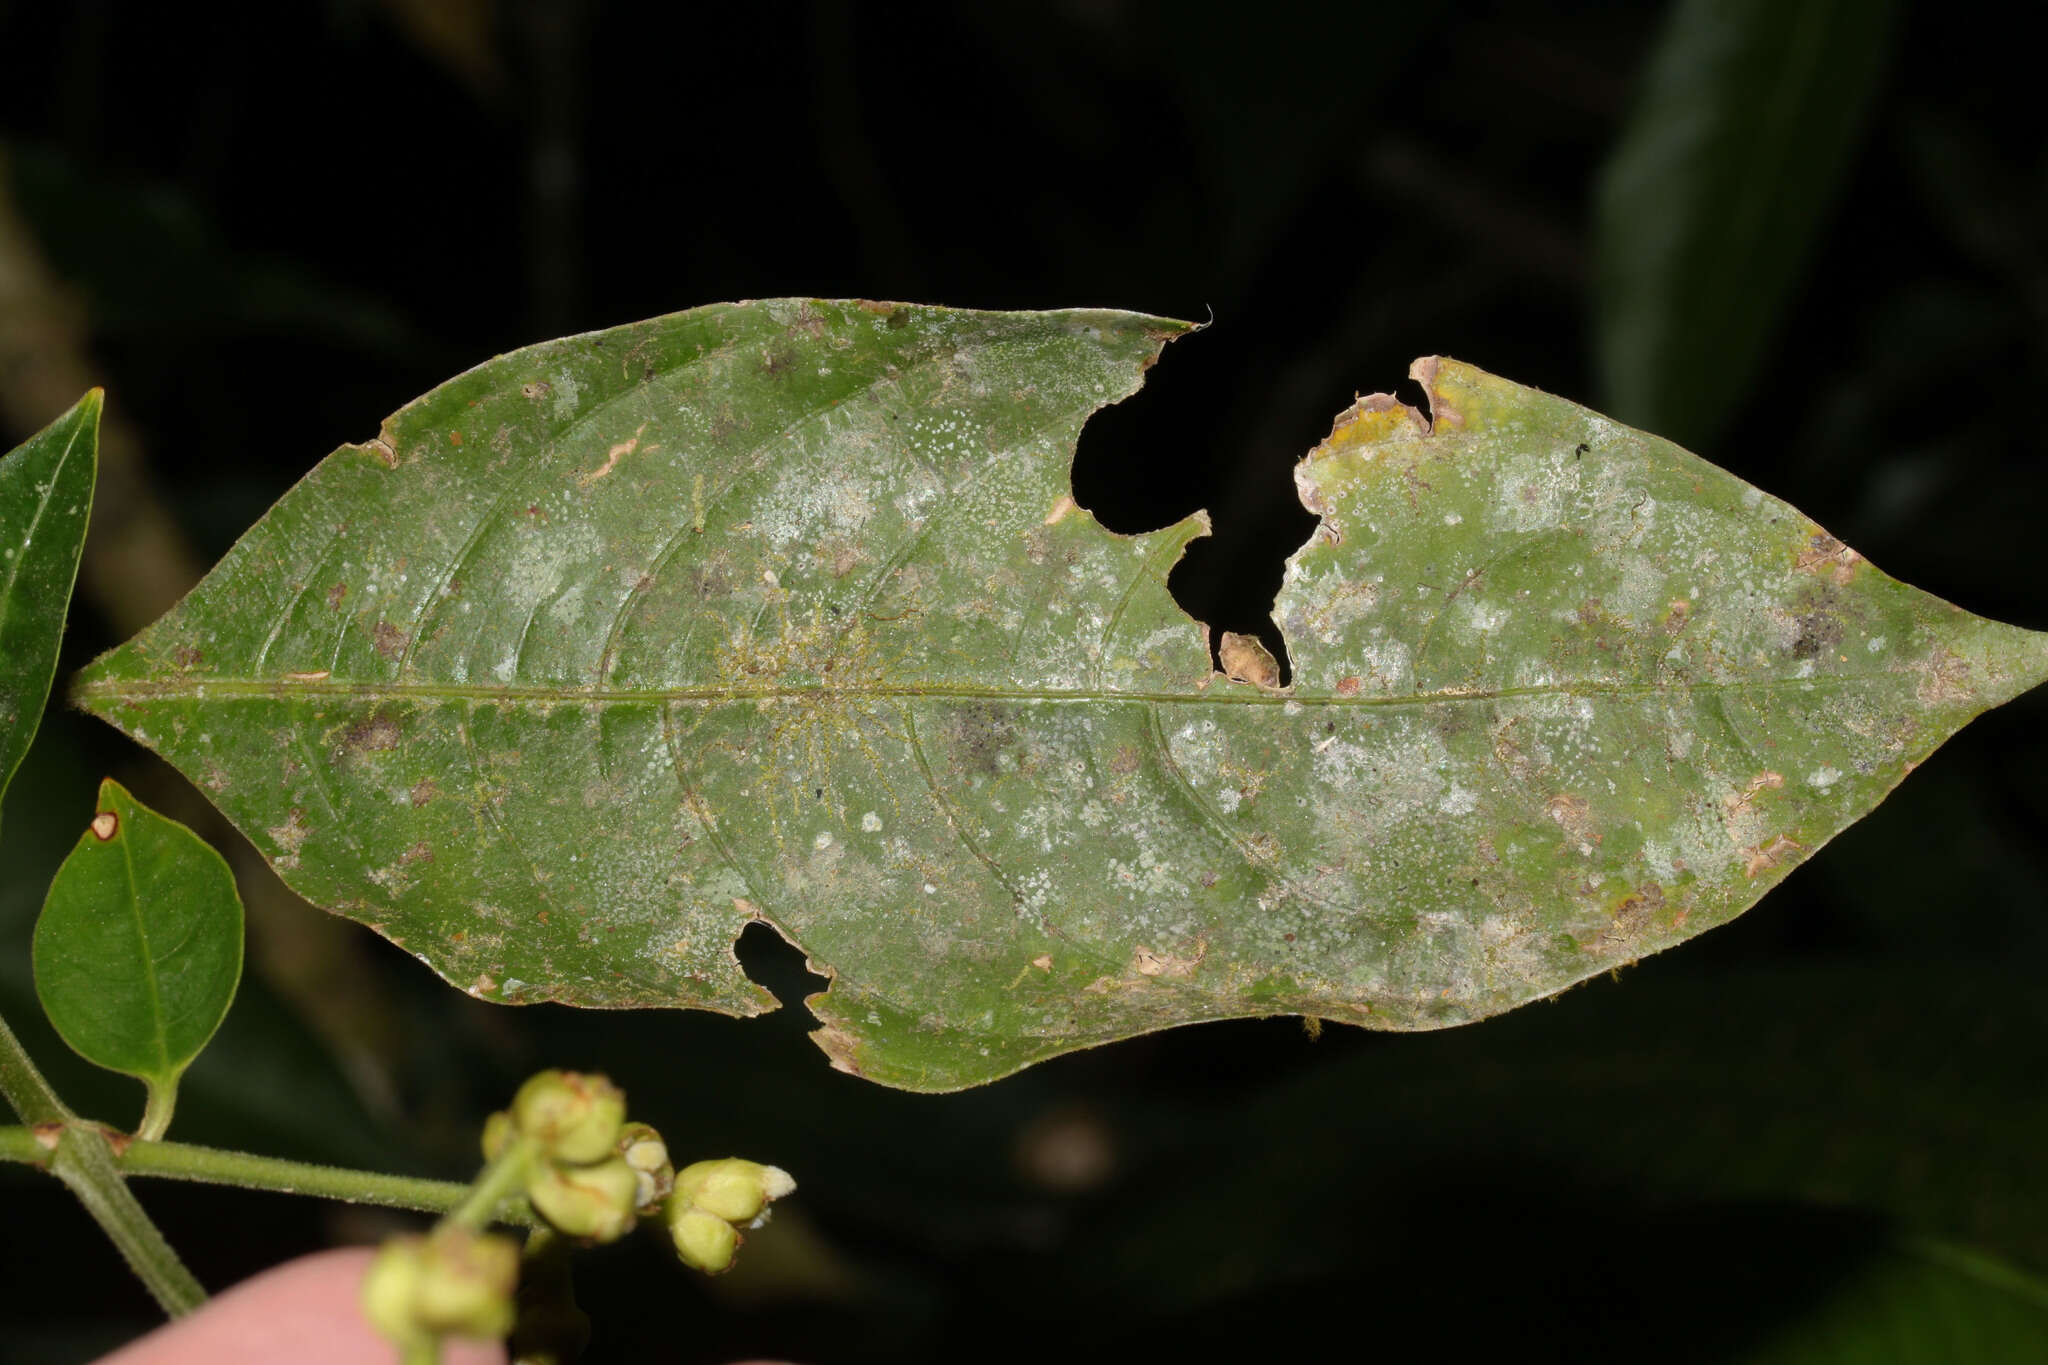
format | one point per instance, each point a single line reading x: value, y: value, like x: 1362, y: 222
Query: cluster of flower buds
x: 709, y: 1202
x: 452, y: 1283
x: 581, y: 1178
x: 592, y: 1176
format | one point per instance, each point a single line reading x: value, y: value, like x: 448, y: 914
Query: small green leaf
x: 1711, y: 204
x: 139, y: 948
x: 784, y: 612
x: 45, y: 502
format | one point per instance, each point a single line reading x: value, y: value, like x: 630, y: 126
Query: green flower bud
x: 647, y: 1154
x: 575, y: 1117
x: 705, y: 1241
x: 733, y: 1188
x: 388, y: 1291
x: 455, y: 1282
x: 597, y: 1202
x: 467, y: 1285
x: 499, y: 1129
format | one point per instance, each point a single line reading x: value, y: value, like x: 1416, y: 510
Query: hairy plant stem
x: 501, y: 1179
x: 80, y: 1157
x: 24, y: 1086
x: 214, y: 1166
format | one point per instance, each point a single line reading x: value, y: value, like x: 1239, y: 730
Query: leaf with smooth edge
x: 45, y: 502
x: 139, y: 947
x: 784, y: 611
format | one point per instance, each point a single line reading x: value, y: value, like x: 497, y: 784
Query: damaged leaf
x: 784, y: 611
x: 139, y: 947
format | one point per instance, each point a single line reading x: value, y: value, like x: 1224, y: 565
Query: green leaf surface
x: 784, y: 611
x: 45, y: 502
x: 1918, y: 1303
x: 139, y: 947
x: 1709, y: 208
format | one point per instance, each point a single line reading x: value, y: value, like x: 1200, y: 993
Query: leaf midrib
x: 252, y: 689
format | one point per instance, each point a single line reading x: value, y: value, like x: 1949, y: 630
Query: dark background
x: 1812, y: 1131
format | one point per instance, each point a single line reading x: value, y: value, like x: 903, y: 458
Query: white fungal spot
x: 1459, y: 801
x: 823, y: 841
x: 871, y: 822
x: 1824, y: 777
x: 1876, y: 644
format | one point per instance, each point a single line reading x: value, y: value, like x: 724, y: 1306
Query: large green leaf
x: 45, y: 502
x: 782, y: 611
x: 1710, y: 206
x: 139, y: 947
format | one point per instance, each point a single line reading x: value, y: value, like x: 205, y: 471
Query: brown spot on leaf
x: 1441, y: 414
x: 188, y: 656
x: 389, y: 640
x: 1769, y: 855
x: 1573, y: 815
x: 619, y: 451
x: 1766, y: 780
x: 1815, y: 633
x: 1824, y: 554
x: 424, y: 791
x: 1632, y: 914
x: 841, y: 1047
x: 418, y: 853
x: 1245, y: 660
x: 377, y: 734
x: 978, y: 734
x: 289, y: 836
x: 807, y: 322
x: 1145, y: 962
x: 1348, y: 686
x: 1124, y: 761
x: 335, y: 596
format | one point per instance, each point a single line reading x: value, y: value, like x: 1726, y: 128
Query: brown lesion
x: 1823, y: 554
x: 1245, y: 660
x: 389, y: 640
x: 1573, y: 815
x: 1630, y: 919
x: 1770, y: 854
x: 1146, y: 962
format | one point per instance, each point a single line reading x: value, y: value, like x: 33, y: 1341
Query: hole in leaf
x: 778, y: 966
x: 1158, y: 456
x: 1409, y: 391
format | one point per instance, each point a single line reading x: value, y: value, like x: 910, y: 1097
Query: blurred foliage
x: 1712, y: 201
x: 1739, y: 1151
